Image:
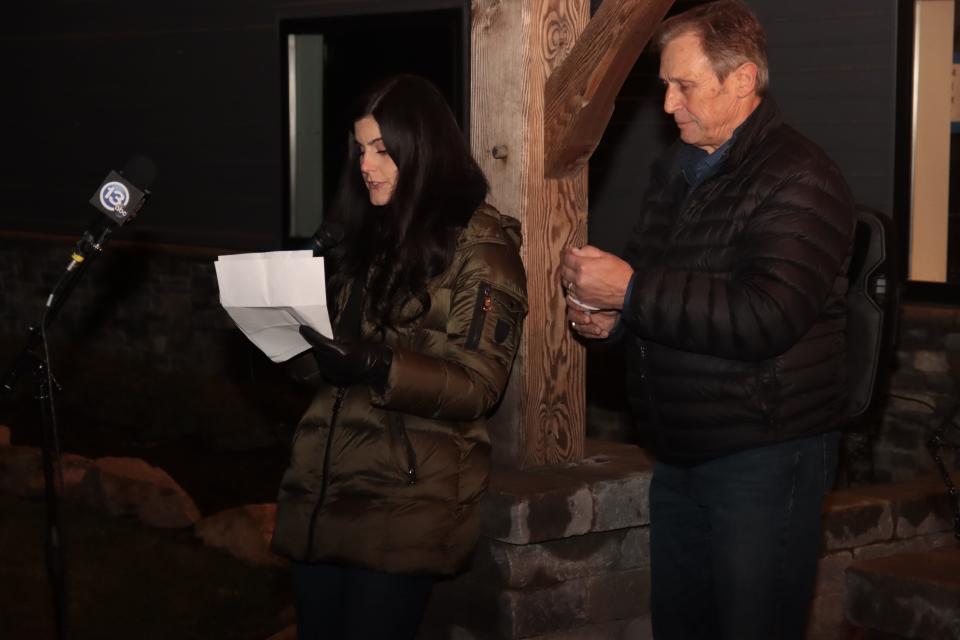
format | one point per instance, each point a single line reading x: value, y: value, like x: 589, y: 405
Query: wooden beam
x: 516, y: 44
x: 580, y: 93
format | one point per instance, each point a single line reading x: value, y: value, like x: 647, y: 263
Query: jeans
x: 734, y: 542
x: 352, y: 603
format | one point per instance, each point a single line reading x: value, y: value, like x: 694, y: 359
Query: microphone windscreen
x: 328, y: 235
x: 141, y: 171
x: 332, y: 232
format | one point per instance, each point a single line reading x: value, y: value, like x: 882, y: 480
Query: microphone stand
x: 34, y: 360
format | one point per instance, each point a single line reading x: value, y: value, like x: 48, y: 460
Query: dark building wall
x: 834, y: 71
x: 142, y: 351
x: 198, y: 87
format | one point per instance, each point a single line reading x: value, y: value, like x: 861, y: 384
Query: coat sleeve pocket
x: 494, y: 311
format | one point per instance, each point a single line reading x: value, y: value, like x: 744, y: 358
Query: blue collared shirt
x: 696, y: 165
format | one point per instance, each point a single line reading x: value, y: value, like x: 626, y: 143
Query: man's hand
x: 594, y: 278
x: 345, y: 364
x: 595, y: 325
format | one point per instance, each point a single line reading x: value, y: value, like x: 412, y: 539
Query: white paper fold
x: 269, y: 295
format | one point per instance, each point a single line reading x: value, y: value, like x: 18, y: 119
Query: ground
x: 126, y: 580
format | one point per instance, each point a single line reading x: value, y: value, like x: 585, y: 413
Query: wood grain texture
x: 580, y: 94
x: 515, y: 47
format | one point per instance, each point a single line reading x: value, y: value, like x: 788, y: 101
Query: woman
x: 391, y: 458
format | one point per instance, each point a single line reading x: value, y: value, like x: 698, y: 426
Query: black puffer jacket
x: 737, y: 316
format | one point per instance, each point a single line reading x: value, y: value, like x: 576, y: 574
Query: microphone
x: 119, y: 198
x: 327, y: 236
x: 121, y: 195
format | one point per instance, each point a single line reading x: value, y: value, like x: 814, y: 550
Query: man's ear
x: 745, y: 79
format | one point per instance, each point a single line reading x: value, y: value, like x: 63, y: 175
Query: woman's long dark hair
x: 397, y: 248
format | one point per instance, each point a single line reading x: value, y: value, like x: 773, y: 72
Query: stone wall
x: 565, y: 552
x: 142, y: 346
x: 875, y: 521
x: 923, y: 392
x: 564, y: 555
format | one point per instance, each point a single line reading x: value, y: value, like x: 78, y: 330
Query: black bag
x: 872, y: 309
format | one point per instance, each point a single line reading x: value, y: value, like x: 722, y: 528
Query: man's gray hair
x: 729, y: 33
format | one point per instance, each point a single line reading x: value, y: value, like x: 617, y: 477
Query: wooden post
x: 580, y: 93
x: 541, y: 96
x: 516, y: 45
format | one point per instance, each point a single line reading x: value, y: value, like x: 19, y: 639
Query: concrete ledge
x: 538, y: 565
x: 913, y: 595
x: 564, y: 555
x: 865, y: 515
x: 874, y: 521
x: 606, y: 491
x: 481, y: 610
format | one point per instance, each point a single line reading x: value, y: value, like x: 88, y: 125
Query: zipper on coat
x: 767, y: 394
x: 652, y: 407
x: 325, y: 478
x: 411, y: 471
x: 480, y: 310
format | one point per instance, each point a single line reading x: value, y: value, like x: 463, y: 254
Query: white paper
x: 269, y: 295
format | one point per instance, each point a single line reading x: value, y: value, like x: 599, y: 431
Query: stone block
x: 827, y: 618
x: 831, y: 573
x: 920, y: 505
x: 914, y: 595
x: 243, y: 532
x: 930, y: 361
x: 504, y: 613
x: 916, y: 337
x: 541, y: 611
x: 482, y: 611
x: 917, y: 404
x: 21, y: 472
x: 905, y: 380
x: 606, y: 490
x: 901, y: 466
x: 131, y: 486
x: 521, y: 507
x: 904, y: 437
x: 621, y: 502
x: 618, y: 596
x: 520, y: 566
x: 635, y: 548
x: 912, y: 545
x: 635, y: 629
x: 853, y: 520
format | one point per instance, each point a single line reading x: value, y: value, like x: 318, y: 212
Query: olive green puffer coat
x: 390, y: 479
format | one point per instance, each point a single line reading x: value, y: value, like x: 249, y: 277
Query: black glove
x: 344, y: 363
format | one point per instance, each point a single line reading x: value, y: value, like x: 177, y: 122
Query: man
x: 731, y: 305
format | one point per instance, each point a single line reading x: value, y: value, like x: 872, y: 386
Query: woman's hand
x: 345, y: 364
